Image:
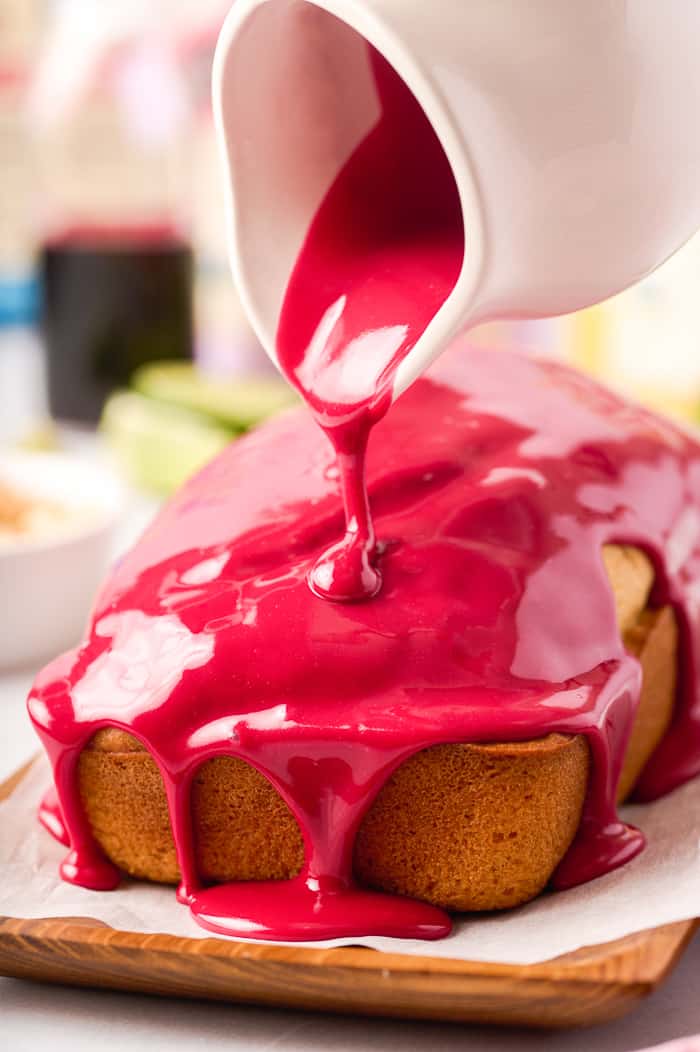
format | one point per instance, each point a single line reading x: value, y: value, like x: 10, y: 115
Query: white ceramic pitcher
x: 572, y: 128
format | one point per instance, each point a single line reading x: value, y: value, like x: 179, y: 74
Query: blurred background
x: 116, y: 304
x: 122, y: 342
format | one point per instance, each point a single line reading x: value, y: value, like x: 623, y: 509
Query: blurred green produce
x: 237, y: 404
x: 42, y: 439
x: 174, y: 419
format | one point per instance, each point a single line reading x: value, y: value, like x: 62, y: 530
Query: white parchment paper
x: 660, y: 886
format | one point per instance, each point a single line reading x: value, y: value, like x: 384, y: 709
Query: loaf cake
x: 462, y: 739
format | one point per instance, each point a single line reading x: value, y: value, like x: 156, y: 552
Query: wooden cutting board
x: 592, y: 985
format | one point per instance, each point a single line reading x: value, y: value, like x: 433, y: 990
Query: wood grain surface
x: 590, y: 986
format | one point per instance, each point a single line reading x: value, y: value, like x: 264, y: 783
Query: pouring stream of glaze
x: 380, y: 259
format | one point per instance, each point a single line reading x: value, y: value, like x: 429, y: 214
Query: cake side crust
x: 467, y: 827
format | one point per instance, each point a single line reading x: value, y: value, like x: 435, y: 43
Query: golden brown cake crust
x: 467, y: 827
x: 470, y: 827
x: 243, y: 829
x: 654, y: 641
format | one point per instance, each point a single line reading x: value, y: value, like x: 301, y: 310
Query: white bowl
x: 48, y: 582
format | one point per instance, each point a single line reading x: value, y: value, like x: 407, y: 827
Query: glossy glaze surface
x: 495, y: 622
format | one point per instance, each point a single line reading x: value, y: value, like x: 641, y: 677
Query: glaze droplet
x: 344, y: 573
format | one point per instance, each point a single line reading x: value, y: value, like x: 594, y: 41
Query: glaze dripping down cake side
x: 463, y: 737
x: 466, y: 827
